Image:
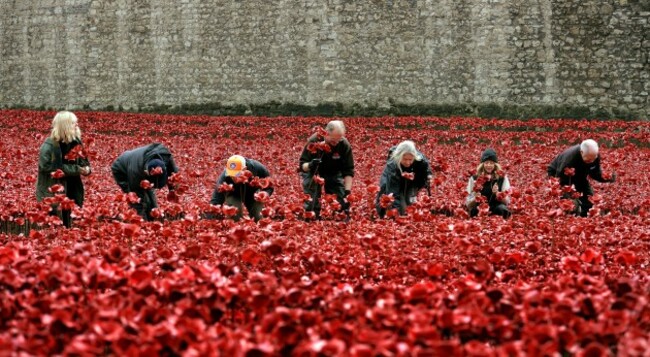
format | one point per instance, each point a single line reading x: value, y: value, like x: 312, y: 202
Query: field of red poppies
x: 433, y: 283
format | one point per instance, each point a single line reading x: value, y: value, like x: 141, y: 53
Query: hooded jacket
x: 129, y: 168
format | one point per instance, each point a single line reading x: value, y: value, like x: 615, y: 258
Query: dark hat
x: 489, y: 154
x: 158, y: 180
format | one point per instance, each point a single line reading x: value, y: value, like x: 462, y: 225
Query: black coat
x: 486, y: 190
x: 338, y: 162
x: 128, y: 169
x: 571, y: 158
x: 391, y: 180
x: 243, y: 190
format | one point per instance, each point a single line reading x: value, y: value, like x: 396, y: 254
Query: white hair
x: 64, y: 127
x: 335, y: 125
x: 403, y: 148
x: 589, y: 146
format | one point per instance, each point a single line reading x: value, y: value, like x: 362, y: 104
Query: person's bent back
x: 153, y: 163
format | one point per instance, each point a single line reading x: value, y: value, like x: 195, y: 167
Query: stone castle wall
x: 136, y: 53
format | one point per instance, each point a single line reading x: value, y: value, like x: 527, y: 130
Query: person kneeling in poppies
x: 407, y: 171
x: 489, y: 184
x: 327, y: 156
x: 244, y: 182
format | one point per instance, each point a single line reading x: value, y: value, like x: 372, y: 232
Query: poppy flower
x: 58, y: 174
x: 56, y: 188
x: 324, y: 146
x: 172, y: 196
x: 229, y: 210
x: 312, y: 148
x: 156, y: 213
x: 225, y: 187
x: 156, y: 171
x: 261, y: 196
x: 386, y: 200
x: 115, y: 254
x: 130, y: 230
x: 241, y: 178
x: 373, y: 189
x: 319, y: 180
x: 626, y: 257
x: 569, y: 171
x: 67, y: 204
x: 265, y: 182
x: 145, y: 184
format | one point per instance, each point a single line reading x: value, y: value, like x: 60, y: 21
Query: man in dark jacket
x: 407, y: 171
x: 153, y: 163
x: 330, y: 157
x: 247, y: 177
x: 573, y: 166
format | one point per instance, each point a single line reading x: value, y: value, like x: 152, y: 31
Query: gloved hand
x: 313, y: 164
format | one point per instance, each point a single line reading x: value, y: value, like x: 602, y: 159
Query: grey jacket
x: 49, y: 160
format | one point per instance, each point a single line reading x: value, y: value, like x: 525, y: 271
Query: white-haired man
x: 330, y: 157
x: 581, y: 161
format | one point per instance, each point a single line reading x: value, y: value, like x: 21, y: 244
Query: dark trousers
x: 254, y: 208
x: 500, y: 209
x: 333, y: 186
x: 147, y: 202
x: 584, y: 204
x: 73, y: 192
x: 65, y: 215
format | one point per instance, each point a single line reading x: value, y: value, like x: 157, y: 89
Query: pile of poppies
x: 434, y: 282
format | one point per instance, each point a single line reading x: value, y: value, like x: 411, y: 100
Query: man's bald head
x: 335, y: 125
x: 589, y: 151
x: 335, y: 132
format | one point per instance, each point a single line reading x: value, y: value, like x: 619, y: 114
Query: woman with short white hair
x: 407, y: 171
x: 61, y: 161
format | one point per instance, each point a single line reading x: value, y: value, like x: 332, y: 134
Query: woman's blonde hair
x: 480, y: 170
x: 403, y: 148
x: 64, y: 127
